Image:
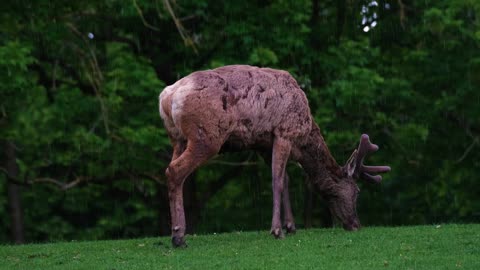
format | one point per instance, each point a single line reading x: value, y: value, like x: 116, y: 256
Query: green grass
x: 420, y: 247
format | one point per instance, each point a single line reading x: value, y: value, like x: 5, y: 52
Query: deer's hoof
x: 290, y: 228
x: 277, y: 233
x: 178, y: 242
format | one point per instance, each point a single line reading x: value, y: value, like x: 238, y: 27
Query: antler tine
x: 366, y: 172
x: 376, y: 179
x: 375, y: 169
x: 365, y: 147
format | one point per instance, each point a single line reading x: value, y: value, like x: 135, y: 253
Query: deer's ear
x: 351, y: 164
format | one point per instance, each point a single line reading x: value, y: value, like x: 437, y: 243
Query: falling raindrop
x: 366, y: 29
x: 374, y: 23
x: 387, y: 6
x: 90, y: 35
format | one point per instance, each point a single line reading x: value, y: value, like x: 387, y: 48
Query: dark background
x: 83, y: 150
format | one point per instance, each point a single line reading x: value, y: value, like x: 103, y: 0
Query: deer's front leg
x: 280, y: 154
x: 288, y: 221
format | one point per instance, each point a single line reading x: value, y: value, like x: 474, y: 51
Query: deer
x: 241, y: 107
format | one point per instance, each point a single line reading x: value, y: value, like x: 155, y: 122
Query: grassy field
x: 420, y: 247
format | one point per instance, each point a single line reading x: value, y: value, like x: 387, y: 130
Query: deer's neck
x: 317, y: 161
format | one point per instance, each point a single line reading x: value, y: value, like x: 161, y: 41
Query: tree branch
x: 401, y: 13
x: 155, y: 178
x: 3, y: 112
x: 206, y: 56
x: 61, y: 185
x: 229, y: 163
x: 80, y: 179
x: 96, y: 76
x: 181, y: 30
x: 467, y: 151
x: 140, y: 13
x: 4, y: 171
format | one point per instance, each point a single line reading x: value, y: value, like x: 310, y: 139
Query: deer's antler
x: 355, y: 166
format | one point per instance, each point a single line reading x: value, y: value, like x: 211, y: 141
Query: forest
x: 83, y: 150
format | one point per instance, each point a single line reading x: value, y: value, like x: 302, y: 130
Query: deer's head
x: 343, y: 197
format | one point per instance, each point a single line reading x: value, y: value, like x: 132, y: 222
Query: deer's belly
x: 245, y: 141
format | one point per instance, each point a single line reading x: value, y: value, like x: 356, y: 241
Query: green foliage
x: 421, y: 247
x: 263, y: 57
x: 79, y: 88
x: 16, y: 81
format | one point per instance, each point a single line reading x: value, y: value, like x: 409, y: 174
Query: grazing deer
x: 244, y: 107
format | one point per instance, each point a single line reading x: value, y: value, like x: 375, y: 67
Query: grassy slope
x: 422, y: 247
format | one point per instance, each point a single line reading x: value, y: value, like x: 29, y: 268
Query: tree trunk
x: 14, y: 195
x: 315, y: 12
x: 341, y: 17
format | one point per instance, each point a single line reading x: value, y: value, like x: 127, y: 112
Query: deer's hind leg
x: 196, y: 153
x: 178, y: 148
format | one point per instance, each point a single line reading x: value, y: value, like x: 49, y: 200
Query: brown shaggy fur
x: 244, y: 107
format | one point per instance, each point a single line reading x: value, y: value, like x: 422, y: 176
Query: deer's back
x: 240, y: 105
